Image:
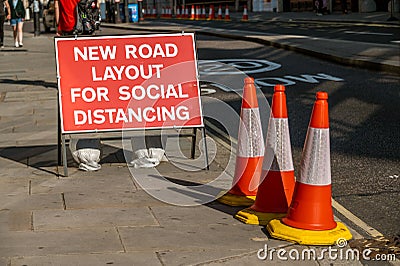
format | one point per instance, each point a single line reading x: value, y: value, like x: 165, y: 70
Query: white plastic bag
x: 86, y: 152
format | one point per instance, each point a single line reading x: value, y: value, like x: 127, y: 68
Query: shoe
x: 20, y: 44
x: 16, y: 44
x: 1, y: 46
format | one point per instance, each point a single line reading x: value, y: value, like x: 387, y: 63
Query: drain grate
x: 379, y: 245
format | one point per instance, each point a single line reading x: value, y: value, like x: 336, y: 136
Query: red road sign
x: 128, y: 82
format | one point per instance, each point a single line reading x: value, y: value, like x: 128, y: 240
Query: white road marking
x: 368, y: 33
x: 357, y: 221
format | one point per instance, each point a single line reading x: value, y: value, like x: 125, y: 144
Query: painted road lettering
x: 210, y: 69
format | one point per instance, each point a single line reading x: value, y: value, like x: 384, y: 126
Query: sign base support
x: 62, y: 149
x: 64, y: 155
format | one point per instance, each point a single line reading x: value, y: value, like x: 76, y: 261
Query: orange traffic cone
x: 154, y: 13
x: 227, y: 16
x: 198, y: 12
x: 276, y: 189
x: 245, y: 15
x: 162, y: 12
x: 219, y: 17
x: 169, y: 12
x: 211, y: 14
x: 178, y: 13
x: 203, y: 12
x: 187, y: 15
x: 183, y: 15
x: 250, y: 151
x: 192, y: 14
x: 310, y: 219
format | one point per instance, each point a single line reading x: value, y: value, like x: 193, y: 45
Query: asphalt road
x: 364, y: 119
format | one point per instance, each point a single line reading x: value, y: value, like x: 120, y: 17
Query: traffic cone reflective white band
x: 250, y: 129
x: 315, y: 166
x: 275, y: 191
x: 250, y: 151
x: 310, y: 217
x: 278, y: 155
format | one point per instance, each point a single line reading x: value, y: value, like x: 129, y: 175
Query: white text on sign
x: 144, y: 51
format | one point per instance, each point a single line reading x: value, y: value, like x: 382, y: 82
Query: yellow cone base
x: 237, y: 200
x: 250, y: 216
x: 308, y: 237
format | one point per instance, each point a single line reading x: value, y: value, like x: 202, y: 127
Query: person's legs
x: 15, y: 35
x: 319, y: 7
x: 14, y: 27
x: 2, y: 18
x: 20, y: 26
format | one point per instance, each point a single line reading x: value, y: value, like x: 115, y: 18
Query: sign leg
x: 58, y: 136
x: 193, y: 149
x: 205, y: 147
x: 64, y: 151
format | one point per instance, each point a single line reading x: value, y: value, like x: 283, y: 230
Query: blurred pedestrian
x: 65, y: 16
x: 325, y: 8
x: 318, y: 7
x: 344, y: 6
x: 4, y: 6
x: 17, y: 20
